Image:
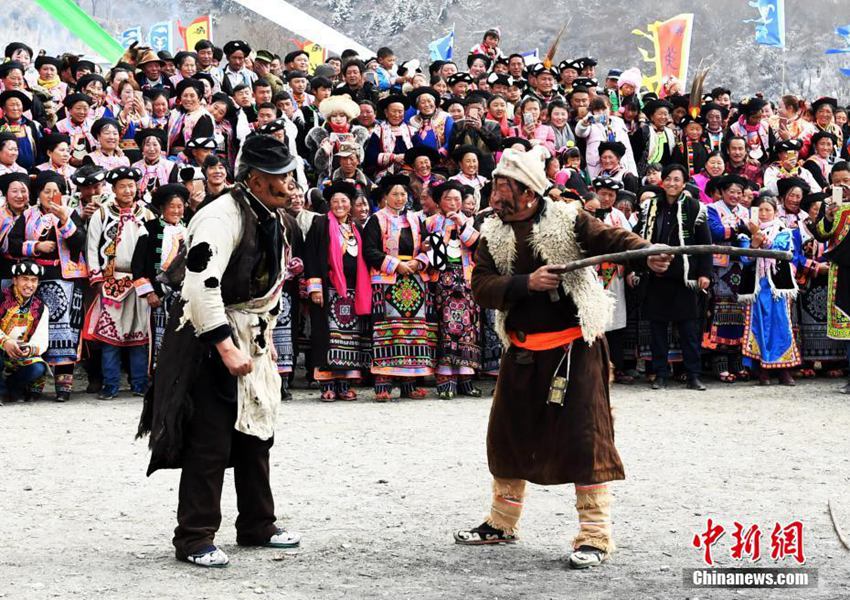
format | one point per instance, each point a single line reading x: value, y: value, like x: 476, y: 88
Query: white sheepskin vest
x: 553, y: 240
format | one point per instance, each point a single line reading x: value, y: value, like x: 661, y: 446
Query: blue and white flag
x: 770, y: 26
x: 530, y: 57
x: 441, y: 49
x: 161, y: 36
x: 843, y: 33
x: 128, y: 36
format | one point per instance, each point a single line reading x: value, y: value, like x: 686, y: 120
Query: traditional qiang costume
x: 768, y: 289
x: 434, y: 130
x: 403, y: 324
x: 64, y: 277
x: 26, y: 131
x: 7, y: 219
x: 835, y: 234
x: 49, y: 142
x: 760, y: 138
x: 286, y: 322
x: 725, y: 322
x: 812, y: 306
x: 653, y: 146
x: 159, y: 245
x: 452, y: 258
x: 477, y: 181
x: 154, y: 174
x: 108, y: 162
x: 335, y: 267
x: 835, y: 130
x: 347, y: 134
x: 56, y: 88
x: 419, y: 184
x: 82, y: 140
x: 551, y: 420
x: 388, y: 140
x: 776, y: 173
x: 119, y: 316
x: 692, y: 154
x: 713, y: 140
x: 820, y: 168
x: 613, y: 279
x: 26, y: 321
x: 183, y: 126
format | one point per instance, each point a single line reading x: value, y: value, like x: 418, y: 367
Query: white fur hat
x: 340, y: 104
x: 525, y: 167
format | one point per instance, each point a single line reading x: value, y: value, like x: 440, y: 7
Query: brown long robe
x: 529, y: 438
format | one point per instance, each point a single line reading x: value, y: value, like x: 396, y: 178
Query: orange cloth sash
x: 538, y: 342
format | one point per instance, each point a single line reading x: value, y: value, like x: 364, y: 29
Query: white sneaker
x: 586, y: 556
x: 284, y: 539
x: 212, y: 556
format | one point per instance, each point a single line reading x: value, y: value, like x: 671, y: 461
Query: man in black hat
x: 234, y: 72
x: 588, y: 67
x: 221, y: 333
x: 547, y: 87
x: 90, y: 181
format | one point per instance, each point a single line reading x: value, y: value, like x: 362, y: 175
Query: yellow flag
x: 197, y: 30
x: 316, y: 54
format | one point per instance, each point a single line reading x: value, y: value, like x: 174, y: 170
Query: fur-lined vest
x: 553, y: 239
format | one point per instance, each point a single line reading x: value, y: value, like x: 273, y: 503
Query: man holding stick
x: 551, y: 419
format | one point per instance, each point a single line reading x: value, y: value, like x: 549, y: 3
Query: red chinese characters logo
x: 707, y: 539
x: 746, y: 542
x: 785, y: 542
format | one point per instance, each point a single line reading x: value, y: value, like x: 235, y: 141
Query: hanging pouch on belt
x: 561, y: 378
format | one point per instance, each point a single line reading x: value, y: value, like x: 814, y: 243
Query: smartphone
x: 527, y: 119
x: 754, y: 214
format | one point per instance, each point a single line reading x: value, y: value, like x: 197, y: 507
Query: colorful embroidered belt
x: 47, y: 263
x: 547, y: 340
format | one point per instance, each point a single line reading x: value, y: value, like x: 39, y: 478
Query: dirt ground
x: 376, y: 491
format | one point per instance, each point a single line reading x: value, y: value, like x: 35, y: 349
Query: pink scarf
x: 363, y: 289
